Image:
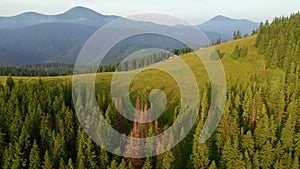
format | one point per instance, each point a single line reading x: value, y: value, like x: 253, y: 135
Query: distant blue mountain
x: 36, y: 38
x: 226, y: 26
x: 39, y: 43
x: 77, y: 15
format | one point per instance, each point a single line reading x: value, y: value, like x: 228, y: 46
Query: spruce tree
x: 248, y: 143
x: 48, y: 161
x: 266, y: 156
x: 287, y: 134
x: 213, y: 165
x: 70, y: 164
x: 295, y: 164
x: 10, y: 82
x: 34, y: 157
x: 147, y: 164
x: 8, y: 156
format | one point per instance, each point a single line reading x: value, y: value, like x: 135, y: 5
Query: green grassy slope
x: 234, y: 68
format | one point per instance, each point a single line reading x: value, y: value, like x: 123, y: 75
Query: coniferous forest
x: 260, y: 127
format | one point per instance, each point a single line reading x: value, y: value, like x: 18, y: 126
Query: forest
x: 259, y: 129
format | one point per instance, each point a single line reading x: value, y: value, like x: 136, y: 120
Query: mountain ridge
x: 80, y: 11
x: 33, y: 37
x: 79, y: 15
x: 226, y: 26
x: 223, y: 17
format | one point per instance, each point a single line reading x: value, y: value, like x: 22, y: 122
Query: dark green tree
x: 34, y: 157
x: 48, y: 161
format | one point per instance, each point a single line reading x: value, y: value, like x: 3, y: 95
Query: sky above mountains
x: 194, y: 11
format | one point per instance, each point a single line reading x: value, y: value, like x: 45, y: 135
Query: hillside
x: 151, y: 78
x: 259, y: 127
x: 248, y: 65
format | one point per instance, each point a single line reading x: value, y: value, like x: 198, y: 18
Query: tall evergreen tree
x: 287, y: 134
x: 48, y: 161
x: 34, y: 157
x: 147, y: 164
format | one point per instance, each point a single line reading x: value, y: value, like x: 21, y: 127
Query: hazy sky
x: 195, y: 11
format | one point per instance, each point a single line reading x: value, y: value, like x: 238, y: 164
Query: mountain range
x: 77, y: 15
x: 31, y: 38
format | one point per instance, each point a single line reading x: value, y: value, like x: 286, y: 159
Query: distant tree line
x: 181, y: 51
x: 45, y: 69
x: 217, y: 42
x: 143, y: 61
x: 238, y: 35
x: 60, y: 69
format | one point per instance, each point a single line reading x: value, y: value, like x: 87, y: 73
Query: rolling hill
x: 247, y: 65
